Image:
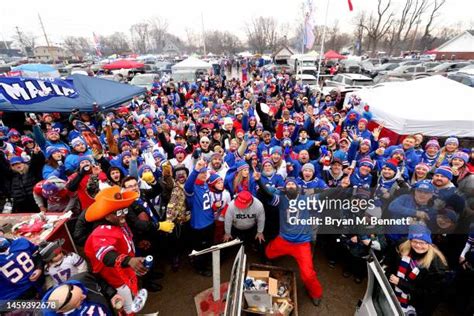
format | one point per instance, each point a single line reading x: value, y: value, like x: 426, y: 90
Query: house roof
x: 463, y: 42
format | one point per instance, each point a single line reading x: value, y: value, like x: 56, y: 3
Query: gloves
x: 166, y: 226
x: 167, y: 169
x: 148, y: 177
x: 287, y: 151
x: 324, y: 150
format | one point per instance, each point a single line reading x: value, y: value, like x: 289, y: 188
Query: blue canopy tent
x: 55, y: 95
x: 37, y: 71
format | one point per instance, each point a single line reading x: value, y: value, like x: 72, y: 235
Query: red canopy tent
x: 123, y: 64
x: 330, y: 54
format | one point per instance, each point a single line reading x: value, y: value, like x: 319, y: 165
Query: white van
x: 304, y: 64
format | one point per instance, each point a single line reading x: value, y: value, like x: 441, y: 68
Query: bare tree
x: 427, y: 38
x: 158, y: 30
x: 262, y: 34
x: 359, y: 22
x: 378, y: 26
x: 78, y: 46
x: 140, y: 37
x: 192, y: 40
x: 114, y: 44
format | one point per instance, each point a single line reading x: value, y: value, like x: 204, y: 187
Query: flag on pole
x: 309, y: 37
x: 350, y: 5
x: 97, y: 45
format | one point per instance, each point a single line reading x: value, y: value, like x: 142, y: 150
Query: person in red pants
x: 294, y: 238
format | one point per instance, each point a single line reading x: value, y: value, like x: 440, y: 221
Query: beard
x: 291, y: 193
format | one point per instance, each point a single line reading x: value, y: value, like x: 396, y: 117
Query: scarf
x: 408, y: 270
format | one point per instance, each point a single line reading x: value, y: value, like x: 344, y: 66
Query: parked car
x: 444, y: 68
x: 382, y: 69
x: 144, y: 80
x: 350, y: 66
x: 410, y: 62
x: 308, y: 80
x: 430, y: 64
x: 407, y: 72
x: 349, y: 81
x: 366, y: 67
x: 466, y: 78
x: 383, y: 79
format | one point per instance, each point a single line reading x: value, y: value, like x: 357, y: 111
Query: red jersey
x: 106, y: 238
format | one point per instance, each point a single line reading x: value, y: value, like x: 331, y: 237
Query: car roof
x: 356, y: 77
x: 305, y: 77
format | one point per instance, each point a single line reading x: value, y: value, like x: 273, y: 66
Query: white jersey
x: 71, y: 264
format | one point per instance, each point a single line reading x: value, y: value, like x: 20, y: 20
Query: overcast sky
x: 81, y: 18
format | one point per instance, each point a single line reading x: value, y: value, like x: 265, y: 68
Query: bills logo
x: 29, y: 91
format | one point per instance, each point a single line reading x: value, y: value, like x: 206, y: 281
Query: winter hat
x: 179, y: 149
x: 26, y: 139
x: 77, y: 141
x: 49, y: 189
x: 158, y: 154
x: 398, y: 151
x: 335, y: 136
x: 213, y: 179
x: 290, y: 179
x: 366, y: 161
x: 243, y: 200
x: 432, y: 142
x: 143, y: 168
x: 363, y: 120
x: 424, y: 186
x: 275, y: 149
x: 445, y: 171
x: 241, y: 165
x: 16, y: 159
x: 309, y: 166
x: 108, y: 201
x: 392, y: 164
x: 420, y: 232
x: 461, y: 155
x: 123, y: 143
x: 238, y: 111
x: 423, y: 165
x: 365, y: 141
x: 13, y: 132
x: 286, y: 142
x: 52, y: 131
x: 50, y: 150
x: 267, y: 160
x: 451, y: 140
x: 83, y: 158
x: 324, y: 128
x: 259, y: 126
x: 385, y: 140
x: 205, y: 138
x: 228, y: 120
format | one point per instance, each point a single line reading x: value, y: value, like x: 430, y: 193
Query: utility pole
x: 20, y: 39
x: 46, y: 38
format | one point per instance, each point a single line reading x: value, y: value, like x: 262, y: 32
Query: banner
x: 30, y: 91
x: 308, y: 31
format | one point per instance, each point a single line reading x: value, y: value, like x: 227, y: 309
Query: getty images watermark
x: 334, y: 215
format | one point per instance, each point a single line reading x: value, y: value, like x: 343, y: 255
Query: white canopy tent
x: 434, y: 106
x: 191, y: 64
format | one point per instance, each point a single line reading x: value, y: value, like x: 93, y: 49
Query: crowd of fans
x: 195, y: 164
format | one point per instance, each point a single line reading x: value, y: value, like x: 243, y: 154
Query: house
x: 50, y: 53
x: 282, y: 56
x: 459, y: 47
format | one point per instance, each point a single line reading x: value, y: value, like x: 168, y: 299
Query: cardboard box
x: 262, y: 300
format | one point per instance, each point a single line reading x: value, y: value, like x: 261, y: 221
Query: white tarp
x: 191, y: 64
x: 434, y: 106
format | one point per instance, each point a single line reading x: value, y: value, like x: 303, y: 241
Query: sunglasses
x: 122, y: 212
x: 68, y: 296
x: 204, y: 142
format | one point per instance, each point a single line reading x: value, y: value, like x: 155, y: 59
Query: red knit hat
x: 243, y: 200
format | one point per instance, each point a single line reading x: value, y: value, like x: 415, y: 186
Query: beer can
x: 148, y: 263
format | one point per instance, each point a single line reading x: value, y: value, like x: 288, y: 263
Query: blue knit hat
x: 275, y: 149
x: 392, y: 164
x: 241, y: 164
x: 445, y: 171
x: 420, y: 232
x: 461, y: 155
x: 366, y: 161
x: 451, y: 140
x: 425, y: 186
x: 290, y: 179
x: 50, y: 150
x: 213, y: 178
x: 85, y: 157
x: 16, y: 159
x: 143, y: 168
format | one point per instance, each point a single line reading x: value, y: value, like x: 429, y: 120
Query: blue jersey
x: 200, y: 202
x: 16, y: 266
x: 89, y: 309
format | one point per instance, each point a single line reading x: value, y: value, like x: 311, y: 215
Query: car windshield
x: 440, y: 67
x: 307, y: 63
